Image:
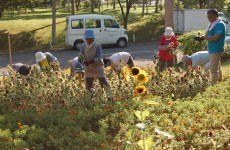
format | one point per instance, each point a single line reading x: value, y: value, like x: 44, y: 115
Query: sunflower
x: 135, y: 71
x: 142, y: 77
x: 140, y: 89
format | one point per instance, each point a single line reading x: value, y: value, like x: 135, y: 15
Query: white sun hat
x: 168, y: 31
x: 40, y: 56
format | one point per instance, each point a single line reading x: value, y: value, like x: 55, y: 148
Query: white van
x: 106, y: 29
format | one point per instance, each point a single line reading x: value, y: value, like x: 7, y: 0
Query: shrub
x: 189, y: 45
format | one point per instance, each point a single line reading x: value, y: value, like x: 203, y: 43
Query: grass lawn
x: 32, y: 31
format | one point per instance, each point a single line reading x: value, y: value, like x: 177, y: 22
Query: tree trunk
x: 92, y: 6
x: 125, y: 15
x: 54, y: 41
x: 156, y: 6
x: 143, y: 8
x: 114, y: 4
x: 72, y: 5
x: 208, y: 4
x: 77, y: 4
x: 169, y: 13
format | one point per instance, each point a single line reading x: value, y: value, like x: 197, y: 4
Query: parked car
x: 107, y: 30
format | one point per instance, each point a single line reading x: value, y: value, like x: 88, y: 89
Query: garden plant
x: 144, y: 109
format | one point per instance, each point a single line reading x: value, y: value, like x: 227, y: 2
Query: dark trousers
x: 130, y: 62
x: 89, y: 82
x: 163, y: 63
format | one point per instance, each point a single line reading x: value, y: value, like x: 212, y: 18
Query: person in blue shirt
x: 215, y: 35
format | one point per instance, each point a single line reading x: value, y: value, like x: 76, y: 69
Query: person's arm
x: 81, y: 57
x: 219, y: 30
x: 98, y: 54
x: 162, y: 45
x: 212, y: 38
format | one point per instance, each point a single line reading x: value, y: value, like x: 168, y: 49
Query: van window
x: 77, y: 24
x: 111, y: 23
x: 93, y: 23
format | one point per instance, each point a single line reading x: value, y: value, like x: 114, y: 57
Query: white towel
x: 212, y: 25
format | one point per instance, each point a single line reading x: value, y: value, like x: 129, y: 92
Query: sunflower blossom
x: 142, y: 77
x: 140, y: 89
x: 135, y: 71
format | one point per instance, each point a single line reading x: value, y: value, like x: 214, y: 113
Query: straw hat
x: 40, y: 56
x: 168, y: 31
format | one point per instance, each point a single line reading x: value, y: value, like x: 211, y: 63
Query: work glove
x: 86, y: 63
x: 198, y: 38
x: 169, y: 45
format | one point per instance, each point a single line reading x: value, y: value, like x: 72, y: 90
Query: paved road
x: 141, y: 52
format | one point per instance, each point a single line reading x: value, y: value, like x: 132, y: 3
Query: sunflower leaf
x: 142, y: 115
x: 150, y: 102
x: 129, y: 134
x: 148, y: 143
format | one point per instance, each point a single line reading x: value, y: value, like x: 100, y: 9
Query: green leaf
x: 148, y: 143
x: 129, y: 134
x: 128, y: 146
x: 142, y: 116
x: 150, y: 102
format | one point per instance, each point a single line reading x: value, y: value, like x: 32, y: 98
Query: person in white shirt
x: 115, y: 61
x: 197, y: 59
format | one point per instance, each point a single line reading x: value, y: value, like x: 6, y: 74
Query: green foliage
x: 179, y: 110
x: 189, y: 45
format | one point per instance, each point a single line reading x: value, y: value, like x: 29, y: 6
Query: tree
x: 54, y: 41
x: 92, y: 6
x: 72, y: 6
x: 156, y: 6
x: 2, y: 6
x: 169, y: 13
x: 77, y: 4
x: 125, y: 15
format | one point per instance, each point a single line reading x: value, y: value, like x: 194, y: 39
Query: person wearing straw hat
x: 91, y: 58
x: 44, y: 60
x: 168, y: 42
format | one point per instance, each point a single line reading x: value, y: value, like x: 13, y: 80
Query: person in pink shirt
x: 168, y: 42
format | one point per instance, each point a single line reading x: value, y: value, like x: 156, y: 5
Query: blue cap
x: 89, y: 34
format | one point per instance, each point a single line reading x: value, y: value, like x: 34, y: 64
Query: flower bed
x: 143, y: 109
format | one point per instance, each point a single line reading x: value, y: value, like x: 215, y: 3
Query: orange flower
x: 170, y: 103
x: 19, y: 123
x: 176, y: 129
x: 20, y: 127
x: 103, y: 145
x: 194, y: 129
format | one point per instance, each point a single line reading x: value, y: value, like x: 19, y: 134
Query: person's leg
x: 220, y: 77
x: 170, y: 63
x: 214, y: 66
x: 88, y: 83
x: 162, y: 64
x: 103, y: 82
x: 130, y: 62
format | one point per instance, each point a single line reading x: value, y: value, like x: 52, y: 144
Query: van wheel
x: 77, y: 44
x: 122, y: 42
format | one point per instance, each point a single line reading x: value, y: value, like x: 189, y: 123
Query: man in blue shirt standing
x: 215, y: 36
